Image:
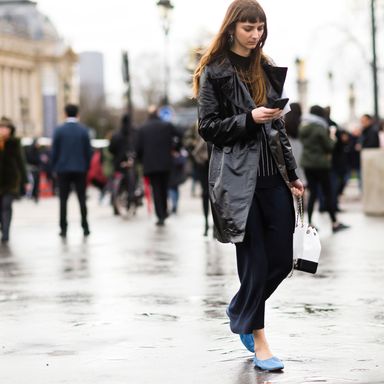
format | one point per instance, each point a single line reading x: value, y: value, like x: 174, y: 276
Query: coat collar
x: 223, y: 68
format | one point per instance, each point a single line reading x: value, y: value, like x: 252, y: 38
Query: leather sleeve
x: 289, y: 159
x: 213, y: 127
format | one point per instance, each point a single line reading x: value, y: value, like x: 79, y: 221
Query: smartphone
x: 278, y: 103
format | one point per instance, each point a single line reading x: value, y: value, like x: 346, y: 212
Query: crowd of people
x: 145, y: 163
x: 150, y: 162
x: 329, y: 155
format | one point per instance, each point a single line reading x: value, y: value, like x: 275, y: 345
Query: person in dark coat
x: 71, y: 156
x: 178, y: 173
x: 252, y: 169
x: 340, y: 165
x: 122, y: 144
x: 13, y: 174
x: 369, y: 137
x: 292, y: 122
x: 198, y: 151
x: 154, y: 151
x: 122, y: 147
x: 33, y: 159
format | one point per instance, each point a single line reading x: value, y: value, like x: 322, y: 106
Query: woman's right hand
x: 262, y: 115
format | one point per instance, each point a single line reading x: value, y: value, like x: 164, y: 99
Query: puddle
x: 159, y: 316
x: 61, y: 353
x: 313, y: 309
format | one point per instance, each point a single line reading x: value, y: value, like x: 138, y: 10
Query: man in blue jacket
x: 71, y: 155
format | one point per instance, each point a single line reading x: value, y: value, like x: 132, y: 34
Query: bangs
x: 252, y: 14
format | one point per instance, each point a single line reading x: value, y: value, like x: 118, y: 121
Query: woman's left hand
x: 297, y: 188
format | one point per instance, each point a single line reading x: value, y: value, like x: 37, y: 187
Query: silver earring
x: 230, y: 39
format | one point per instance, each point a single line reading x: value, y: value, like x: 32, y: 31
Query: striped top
x: 267, y: 165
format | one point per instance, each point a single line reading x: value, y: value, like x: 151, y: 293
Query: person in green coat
x: 316, y: 159
x: 13, y: 174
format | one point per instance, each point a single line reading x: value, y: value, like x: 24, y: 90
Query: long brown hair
x: 238, y: 11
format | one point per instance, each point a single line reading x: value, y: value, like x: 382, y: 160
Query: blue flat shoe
x: 271, y: 364
x: 248, y: 341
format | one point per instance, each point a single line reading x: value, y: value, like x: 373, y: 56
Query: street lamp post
x: 127, y: 82
x: 166, y: 7
x: 302, y: 83
x: 374, y: 61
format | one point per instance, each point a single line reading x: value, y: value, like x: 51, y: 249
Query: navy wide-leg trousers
x: 264, y: 258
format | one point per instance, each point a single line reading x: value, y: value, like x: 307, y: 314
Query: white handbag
x: 306, y: 243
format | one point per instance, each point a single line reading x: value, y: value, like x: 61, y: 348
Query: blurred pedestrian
x: 198, y: 152
x: 318, y: 144
x: 381, y: 134
x: 353, y: 154
x: 178, y: 173
x: 108, y: 167
x: 292, y: 122
x: 46, y: 167
x: 32, y: 154
x: 13, y: 174
x: 252, y: 167
x: 154, y: 151
x: 340, y: 166
x: 339, y: 163
x: 95, y: 175
x: 71, y: 156
x: 122, y: 147
x: 369, y: 137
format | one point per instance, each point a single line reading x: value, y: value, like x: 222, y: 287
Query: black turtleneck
x: 241, y: 63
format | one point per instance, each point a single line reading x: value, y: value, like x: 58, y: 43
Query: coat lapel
x: 236, y: 91
x: 276, y: 77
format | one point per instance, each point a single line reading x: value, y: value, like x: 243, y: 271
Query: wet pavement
x: 139, y: 304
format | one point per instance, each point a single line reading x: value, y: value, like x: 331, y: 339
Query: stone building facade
x: 37, y: 70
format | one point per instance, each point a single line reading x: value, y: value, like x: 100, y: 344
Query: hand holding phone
x: 278, y: 103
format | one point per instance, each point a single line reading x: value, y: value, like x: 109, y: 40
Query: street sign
x: 166, y: 113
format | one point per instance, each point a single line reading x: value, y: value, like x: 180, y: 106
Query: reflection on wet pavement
x: 139, y: 304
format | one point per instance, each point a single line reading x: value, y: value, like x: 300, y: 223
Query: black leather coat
x: 223, y: 103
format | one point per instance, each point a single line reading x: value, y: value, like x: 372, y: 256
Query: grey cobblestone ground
x: 139, y: 304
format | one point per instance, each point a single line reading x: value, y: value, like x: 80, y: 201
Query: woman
x: 251, y: 166
x: 12, y: 174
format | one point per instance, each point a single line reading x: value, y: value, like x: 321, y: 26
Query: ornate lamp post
x: 165, y: 8
x: 302, y: 83
x: 374, y: 61
x: 127, y: 82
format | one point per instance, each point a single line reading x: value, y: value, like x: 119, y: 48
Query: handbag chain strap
x: 299, y: 220
x: 300, y: 211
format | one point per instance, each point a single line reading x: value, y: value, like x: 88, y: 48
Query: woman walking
x: 252, y: 169
x: 12, y: 174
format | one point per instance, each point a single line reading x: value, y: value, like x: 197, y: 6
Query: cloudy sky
x: 332, y: 36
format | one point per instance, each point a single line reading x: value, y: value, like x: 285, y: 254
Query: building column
x: 16, y: 115
x: 8, y: 93
x: 35, y: 101
x: 2, y: 91
x: 25, y: 103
